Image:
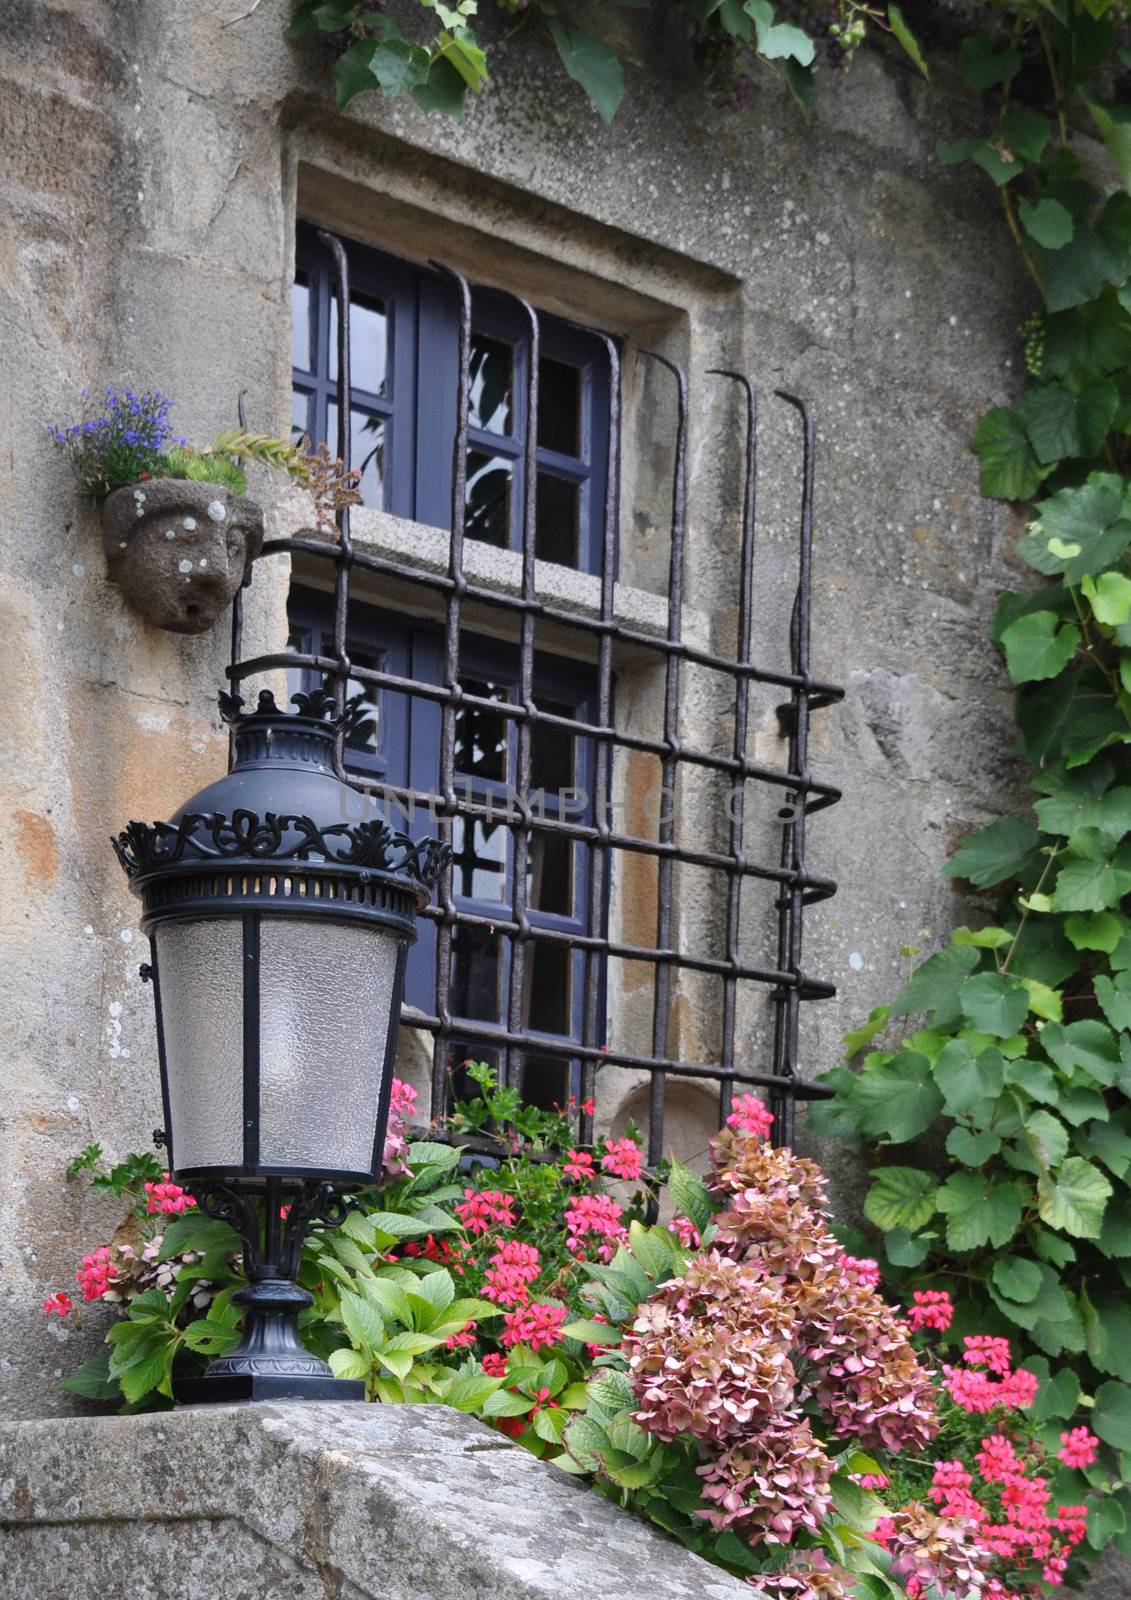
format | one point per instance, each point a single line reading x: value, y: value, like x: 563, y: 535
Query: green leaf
x: 897, y: 1100
x: 982, y: 66
x: 1074, y: 1201
x: 934, y: 986
x: 907, y: 39
x: 964, y: 1079
x: 1039, y: 646
x: 211, y: 1338
x: 1115, y: 999
x: 590, y: 63
x: 150, y: 1371
x: 504, y: 1404
x: 191, y: 1231
x: 978, y: 1211
x: 1097, y: 254
x: 1051, y: 420
x: 1050, y: 224
x: 983, y: 938
x: 349, y: 1364
x: 1059, y: 1394
x: 1090, y: 878
x: 361, y: 1322
x: 900, y: 1197
x: 1109, y: 596
x: 1017, y: 1279
x: 92, y: 1380
x: 1047, y: 1137
x: 1010, y: 469
x: 1115, y: 1235
x: 972, y: 1149
x: 592, y: 1332
x: 1091, y: 517
x: 444, y: 89
x: 855, y: 1041
x: 1111, y: 1415
x: 471, y: 1392
x: 460, y: 50
x: 1004, y: 849
x: 994, y: 1003
x: 690, y: 1195
x: 904, y: 1251
x: 1086, y: 1047
x: 1114, y: 125
x: 1101, y: 930
x: 779, y: 41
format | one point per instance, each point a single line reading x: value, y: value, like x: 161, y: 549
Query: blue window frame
x: 404, y: 364
x: 394, y: 738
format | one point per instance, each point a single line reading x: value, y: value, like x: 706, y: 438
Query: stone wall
x: 154, y: 161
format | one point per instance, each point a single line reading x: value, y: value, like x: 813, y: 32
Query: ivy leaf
x: 907, y: 39
x: 982, y: 66
x: 978, y: 1211
x: 1039, y: 646
x: 1051, y: 420
x: 779, y: 41
x: 1074, y: 1201
x: 1004, y: 849
x: 1010, y: 469
x: 855, y: 1041
x: 1091, y: 517
x: 1048, y: 222
x: 591, y: 63
x: 904, y: 1251
x: 994, y: 1003
x: 1047, y: 1138
x: 934, y: 986
x: 1107, y: 1143
x: 1097, y: 254
x: 900, y: 1197
x: 1088, y: 1047
x: 1102, y: 930
x: 965, y: 1079
x: 1111, y: 1415
x: 444, y: 89
x: 972, y: 1149
x: 1115, y: 998
x: 897, y: 1100
x: 1091, y: 879
x: 1017, y: 1279
x: 1109, y: 596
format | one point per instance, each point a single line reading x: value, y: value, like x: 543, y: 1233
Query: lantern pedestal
x: 269, y: 1363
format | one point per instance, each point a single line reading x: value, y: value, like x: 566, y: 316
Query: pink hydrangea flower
x: 167, y: 1198
x: 1078, y: 1448
x: 59, y: 1304
x: 538, y: 1325
x: 862, y: 1268
x: 96, y: 1273
x: 623, y: 1158
x: 931, y: 1308
x: 578, y: 1166
x: 483, y: 1209
x: 751, y: 1115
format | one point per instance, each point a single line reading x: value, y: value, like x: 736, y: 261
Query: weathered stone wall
x: 153, y: 161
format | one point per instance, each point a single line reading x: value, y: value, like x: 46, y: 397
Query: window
x: 404, y: 344
x: 394, y: 739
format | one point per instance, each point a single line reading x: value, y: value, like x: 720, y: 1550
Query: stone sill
x: 304, y: 1501
x: 416, y: 544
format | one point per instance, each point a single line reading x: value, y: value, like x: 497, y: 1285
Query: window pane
x: 479, y: 858
x: 300, y: 415
x: 488, y: 498
x: 555, y: 520
x: 545, y: 1082
x: 476, y: 988
x: 491, y: 373
x: 368, y: 343
x: 300, y: 323
x: 551, y: 749
x: 559, y: 407
x: 547, y: 987
x: 549, y: 874
x: 367, y: 451
x: 363, y: 704
x: 481, y: 735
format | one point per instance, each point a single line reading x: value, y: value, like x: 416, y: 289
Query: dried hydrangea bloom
x: 771, y: 1486
x: 785, y: 1236
x: 743, y: 1161
x: 929, y: 1550
x: 709, y: 1352
x: 808, y: 1576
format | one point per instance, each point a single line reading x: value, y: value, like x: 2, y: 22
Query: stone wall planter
x: 179, y: 548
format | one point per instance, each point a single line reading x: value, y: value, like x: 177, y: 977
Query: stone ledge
x: 316, y: 1502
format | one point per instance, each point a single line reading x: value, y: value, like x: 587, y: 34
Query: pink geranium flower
x: 623, y: 1158
x: 1078, y: 1448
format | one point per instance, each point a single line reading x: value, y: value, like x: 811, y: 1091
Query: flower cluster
x: 96, y: 1273
x: 930, y: 1308
x: 511, y: 1270
x: 538, y: 1325
x: 119, y: 444
x: 593, y: 1225
x: 480, y: 1210
x: 976, y: 1390
x: 167, y: 1197
x: 402, y: 1109
x: 623, y: 1158
x: 771, y: 1322
x: 751, y: 1115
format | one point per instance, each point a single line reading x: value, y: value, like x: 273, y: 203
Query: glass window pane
x: 481, y: 735
x: 363, y: 701
x: 369, y: 326
x: 547, y: 987
x: 545, y: 1082
x: 549, y: 873
x: 491, y: 373
x: 300, y: 415
x: 551, y: 749
x: 300, y: 323
x: 555, y: 520
x: 367, y: 451
x: 479, y: 862
x: 559, y: 407
x: 488, y: 498
x: 477, y: 975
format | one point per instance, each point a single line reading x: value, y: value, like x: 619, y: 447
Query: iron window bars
x: 802, y: 795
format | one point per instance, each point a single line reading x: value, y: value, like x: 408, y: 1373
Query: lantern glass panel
x: 326, y: 997
x: 200, y: 966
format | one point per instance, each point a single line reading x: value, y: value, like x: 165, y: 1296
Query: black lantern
x: 279, y: 931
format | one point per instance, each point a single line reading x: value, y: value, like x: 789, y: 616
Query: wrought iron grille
x: 800, y: 794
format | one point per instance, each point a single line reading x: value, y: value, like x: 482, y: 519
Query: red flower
x: 59, y: 1304
x: 623, y: 1158
x: 537, y: 1325
x: 1078, y: 1448
x: 578, y: 1165
x: 482, y: 1209
x: 933, y: 1308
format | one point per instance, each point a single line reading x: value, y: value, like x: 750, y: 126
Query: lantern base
x: 231, y: 1388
